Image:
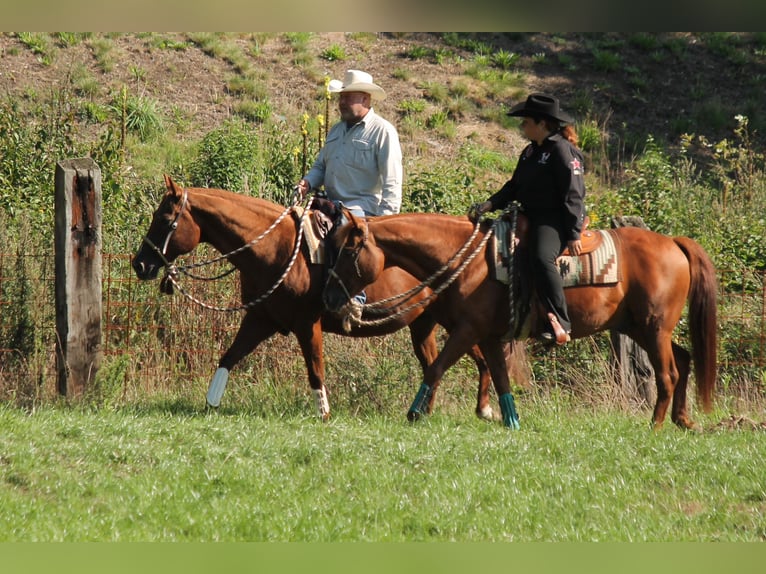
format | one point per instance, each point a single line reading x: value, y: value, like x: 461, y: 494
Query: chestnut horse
x: 659, y: 273
x: 230, y: 222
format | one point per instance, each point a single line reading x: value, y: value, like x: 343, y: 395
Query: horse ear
x: 351, y: 217
x: 172, y: 186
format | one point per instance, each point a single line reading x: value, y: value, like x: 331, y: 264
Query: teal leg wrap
x: 508, y: 410
x: 420, y: 404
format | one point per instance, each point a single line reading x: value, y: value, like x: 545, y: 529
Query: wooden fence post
x: 631, y: 362
x: 77, y: 248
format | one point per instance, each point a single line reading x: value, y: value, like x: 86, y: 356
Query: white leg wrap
x: 321, y: 403
x: 217, y: 386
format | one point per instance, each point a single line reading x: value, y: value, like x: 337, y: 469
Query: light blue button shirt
x: 361, y: 166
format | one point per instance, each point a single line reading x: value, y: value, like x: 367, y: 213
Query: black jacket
x: 548, y: 178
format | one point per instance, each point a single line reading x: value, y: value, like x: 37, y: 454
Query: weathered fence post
x: 631, y: 361
x: 78, y: 274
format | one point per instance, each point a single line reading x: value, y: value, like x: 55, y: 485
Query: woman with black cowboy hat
x: 548, y: 183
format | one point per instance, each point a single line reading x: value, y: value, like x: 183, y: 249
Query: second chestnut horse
x: 659, y: 275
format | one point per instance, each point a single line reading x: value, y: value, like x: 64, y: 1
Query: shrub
x: 252, y: 110
x: 227, y: 157
x: 446, y: 189
x: 334, y: 53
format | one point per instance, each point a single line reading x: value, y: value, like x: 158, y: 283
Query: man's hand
x: 303, y: 188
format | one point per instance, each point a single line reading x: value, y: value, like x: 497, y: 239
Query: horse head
x: 359, y: 262
x: 171, y: 233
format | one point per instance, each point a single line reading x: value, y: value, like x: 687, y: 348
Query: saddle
x: 324, y: 216
x: 596, y: 265
x: 591, y: 240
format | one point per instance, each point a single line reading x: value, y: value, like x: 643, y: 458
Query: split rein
x: 172, y: 271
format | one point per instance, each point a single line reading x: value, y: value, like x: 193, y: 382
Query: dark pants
x: 547, y: 241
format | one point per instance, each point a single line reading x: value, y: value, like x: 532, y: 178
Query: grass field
x: 170, y: 471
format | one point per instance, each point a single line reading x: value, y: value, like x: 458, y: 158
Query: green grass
x: 168, y: 471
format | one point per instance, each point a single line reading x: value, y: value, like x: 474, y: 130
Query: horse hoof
x: 413, y: 416
x: 487, y: 414
x: 687, y: 425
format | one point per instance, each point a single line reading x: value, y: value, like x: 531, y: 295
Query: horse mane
x: 428, y: 231
x: 240, y: 199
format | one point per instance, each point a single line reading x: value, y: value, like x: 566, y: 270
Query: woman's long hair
x: 567, y: 132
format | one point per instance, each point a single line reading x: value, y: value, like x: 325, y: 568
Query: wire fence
x: 155, y: 337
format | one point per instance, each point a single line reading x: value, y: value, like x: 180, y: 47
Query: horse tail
x: 703, y: 323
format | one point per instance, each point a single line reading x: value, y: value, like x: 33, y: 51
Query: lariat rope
x: 354, y: 309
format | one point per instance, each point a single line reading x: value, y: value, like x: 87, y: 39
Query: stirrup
x: 560, y: 335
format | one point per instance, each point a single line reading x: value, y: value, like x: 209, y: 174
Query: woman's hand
x: 477, y: 209
x: 575, y: 247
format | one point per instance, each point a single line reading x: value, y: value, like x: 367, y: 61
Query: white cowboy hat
x: 357, y: 81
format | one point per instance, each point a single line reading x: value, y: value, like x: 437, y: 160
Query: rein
x: 355, y: 309
x: 172, y: 271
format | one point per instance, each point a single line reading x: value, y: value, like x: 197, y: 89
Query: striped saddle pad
x: 598, y: 265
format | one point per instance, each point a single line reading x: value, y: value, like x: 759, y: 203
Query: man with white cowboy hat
x: 360, y: 164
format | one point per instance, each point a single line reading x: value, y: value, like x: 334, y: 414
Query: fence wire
x: 159, y: 336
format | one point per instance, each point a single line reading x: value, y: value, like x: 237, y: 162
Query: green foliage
x: 227, y: 157
x: 418, y: 52
x: 590, y: 135
x: 40, y: 44
x: 69, y: 39
x: 447, y: 189
x: 141, y: 115
x: 412, y: 106
x: 437, y: 119
x: 466, y: 42
x: 606, y: 60
x: 504, y: 59
x: 435, y: 92
x: 402, y: 74
x: 279, y: 162
x: 101, y: 46
x: 334, y: 53
x: 30, y: 152
x: 253, y: 110
x: 646, y: 41
x: 247, y: 86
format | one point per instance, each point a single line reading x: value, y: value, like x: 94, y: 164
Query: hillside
x: 626, y: 84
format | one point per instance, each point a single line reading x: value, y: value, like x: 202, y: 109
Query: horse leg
x: 422, y: 335
x: 666, y: 377
x: 497, y: 354
x: 458, y: 344
x: 311, y: 343
x: 483, y: 408
x: 253, y: 330
x: 678, y: 413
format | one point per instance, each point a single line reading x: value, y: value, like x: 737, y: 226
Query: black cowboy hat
x: 541, y: 105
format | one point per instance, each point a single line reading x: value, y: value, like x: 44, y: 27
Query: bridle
x: 355, y: 252
x: 162, y: 253
x: 352, y: 311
